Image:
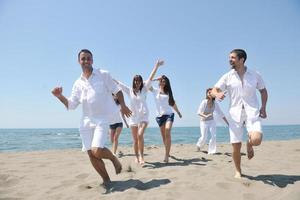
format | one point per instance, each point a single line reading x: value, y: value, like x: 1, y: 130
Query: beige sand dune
x: 274, y: 173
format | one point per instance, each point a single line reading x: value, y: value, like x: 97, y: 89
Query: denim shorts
x: 116, y: 125
x: 164, y: 118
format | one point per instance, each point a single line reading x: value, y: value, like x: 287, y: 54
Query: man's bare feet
x: 250, y: 151
x: 117, y: 165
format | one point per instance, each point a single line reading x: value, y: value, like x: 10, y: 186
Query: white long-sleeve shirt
x: 95, y: 95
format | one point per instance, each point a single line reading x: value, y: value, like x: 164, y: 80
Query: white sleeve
x: 260, y: 83
x: 124, y: 88
x: 110, y: 83
x: 222, y: 83
x: 201, y: 107
x: 74, y: 99
x: 218, y: 110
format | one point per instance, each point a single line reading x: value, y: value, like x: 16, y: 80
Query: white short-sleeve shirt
x: 95, y: 95
x: 162, y: 103
x: 242, y: 94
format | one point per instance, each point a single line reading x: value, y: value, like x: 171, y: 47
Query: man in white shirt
x: 240, y: 83
x: 94, y: 91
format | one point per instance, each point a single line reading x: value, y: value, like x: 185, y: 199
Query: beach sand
x: 273, y: 173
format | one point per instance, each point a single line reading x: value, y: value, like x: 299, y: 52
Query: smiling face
x: 85, y: 59
x: 235, y: 61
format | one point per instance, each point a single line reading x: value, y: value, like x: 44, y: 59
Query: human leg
x: 255, y: 136
x: 168, y: 127
x: 134, y: 132
x: 99, y: 166
x: 236, y: 137
x: 236, y: 156
x: 101, y: 152
x: 141, y: 131
x: 116, y: 139
x: 112, y: 140
x: 212, y: 146
x: 202, y: 138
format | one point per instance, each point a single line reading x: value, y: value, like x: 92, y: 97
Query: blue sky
x: 39, y: 42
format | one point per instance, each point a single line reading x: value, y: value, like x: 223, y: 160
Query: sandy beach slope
x: 274, y: 173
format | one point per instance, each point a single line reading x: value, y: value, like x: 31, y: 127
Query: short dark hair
x: 241, y: 53
x: 84, y: 51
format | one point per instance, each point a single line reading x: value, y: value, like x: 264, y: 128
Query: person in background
x: 165, y: 104
x: 140, y: 113
x: 206, y: 111
x: 116, y: 126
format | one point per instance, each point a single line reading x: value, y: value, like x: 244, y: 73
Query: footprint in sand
x: 224, y: 185
x: 8, y: 181
x: 82, y: 176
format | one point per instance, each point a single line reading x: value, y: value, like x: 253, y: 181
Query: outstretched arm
x: 124, y: 109
x: 57, y: 92
x: 264, y: 99
x: 218, y: 93
x: 156, y: 66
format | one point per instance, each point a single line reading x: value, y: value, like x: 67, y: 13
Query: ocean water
x: 14, y: 140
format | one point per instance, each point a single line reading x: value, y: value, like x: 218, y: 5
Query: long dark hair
x: 139, y: 78
x: 168, y: 90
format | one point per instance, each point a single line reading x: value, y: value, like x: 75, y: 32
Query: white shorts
x: 136, y: 120
x: 94, y: 136
x: 236, y: 129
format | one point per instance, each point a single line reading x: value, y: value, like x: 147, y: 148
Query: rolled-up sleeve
x: 260, y: 83
x: 218, y: 110
x: 222, y: 83
x: 74, y: 99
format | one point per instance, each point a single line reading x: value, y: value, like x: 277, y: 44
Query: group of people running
x: 102, y: 102
x: 138, y: 121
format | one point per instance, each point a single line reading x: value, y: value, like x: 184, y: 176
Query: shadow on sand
x: 179, y: 162
x: 278, y: 180
x: 120, y: 186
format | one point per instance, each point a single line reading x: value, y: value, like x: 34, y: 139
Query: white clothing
x: 236, y: 128
x: 94, y: 136
x: 162, y: 103
x: 116, y: 117
x: 203, y: 108
x: 95, y: 95
x: 242, y: 94
x: 205, y: 127
x: 138, y: 104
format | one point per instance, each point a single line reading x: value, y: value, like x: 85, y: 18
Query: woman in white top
x: 165, y: 104
x: 116, y: 126
x: 140, y: 113
x: 207, y: 123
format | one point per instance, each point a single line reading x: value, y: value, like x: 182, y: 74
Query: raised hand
x: 57, y: 91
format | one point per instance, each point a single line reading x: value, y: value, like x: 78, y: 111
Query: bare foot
x: 142, y: 161
x: 166, y: 160
x: 238, y: 175
x: 250, y: 151
x: 117, y: 165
